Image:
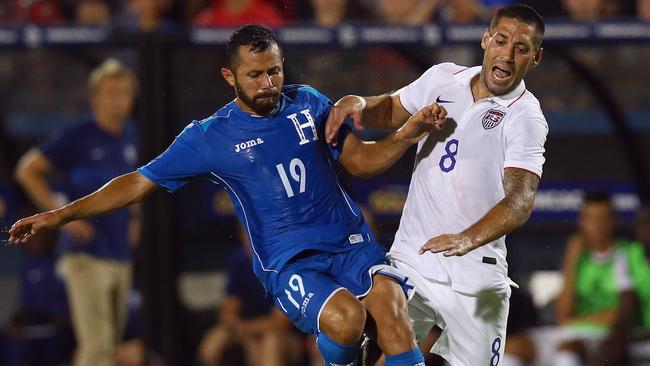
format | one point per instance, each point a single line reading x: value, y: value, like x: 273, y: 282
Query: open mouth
x: 501, y: 73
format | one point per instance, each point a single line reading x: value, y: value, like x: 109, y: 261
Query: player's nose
x: 267, y: 82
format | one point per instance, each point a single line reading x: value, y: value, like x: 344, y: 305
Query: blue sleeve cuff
x: 149, y: 175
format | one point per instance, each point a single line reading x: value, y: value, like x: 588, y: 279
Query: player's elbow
x: 23, y: 174
x: 356, y: 165
x: 361, y: 171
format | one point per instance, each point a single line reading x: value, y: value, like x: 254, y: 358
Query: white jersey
x: 457, y: 181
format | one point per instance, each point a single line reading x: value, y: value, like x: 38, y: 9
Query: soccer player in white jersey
x: 470, y: 186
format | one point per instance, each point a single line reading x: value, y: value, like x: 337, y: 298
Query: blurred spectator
x: 96, y: 255
x: 632, y: 324
x: 491, y: 6
x: 233, y: 13
x: 93, y: 12
x: 520, y: 349
x: 584, y: 10
x: 248, y: 321
x: 41, y: 12
x: 406, y: 12
x: 589, y: 298
x: 643, y: 10
x: 39, y: 333
x: 145, y: 16
x: 329, y: 13
x: 463, y: 12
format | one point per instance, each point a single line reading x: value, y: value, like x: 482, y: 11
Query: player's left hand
x: 449, y: 245
x: 421, y: 123
x: 349, y: 106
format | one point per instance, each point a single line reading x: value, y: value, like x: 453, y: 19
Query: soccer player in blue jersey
x: 313, y: 252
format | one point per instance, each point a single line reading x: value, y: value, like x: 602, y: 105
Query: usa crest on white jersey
x: 492, y: 118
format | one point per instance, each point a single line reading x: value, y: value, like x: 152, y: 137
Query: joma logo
x: 248, y: 144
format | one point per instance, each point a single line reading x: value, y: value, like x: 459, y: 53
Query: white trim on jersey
x: 248, y: 230
x: 346, y: 199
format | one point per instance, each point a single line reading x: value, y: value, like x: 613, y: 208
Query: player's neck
x: 110, y: 125
x: 479, y: 89
x: 244, y: 107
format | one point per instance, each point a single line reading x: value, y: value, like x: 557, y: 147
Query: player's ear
x: 538, y: 57
x: 228, y: 75
x: 485, y: 39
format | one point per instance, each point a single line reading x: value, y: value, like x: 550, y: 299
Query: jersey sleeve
x: 59, y: 149
x: 525, y: 136
x: 183, y: 160
x: 414, y: 96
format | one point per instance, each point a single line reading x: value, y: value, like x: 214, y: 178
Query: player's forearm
x: 512, y: 211
x: 502, y: 219
x: 118, y: 193
x: 374, y: 157
x: 379, y: 113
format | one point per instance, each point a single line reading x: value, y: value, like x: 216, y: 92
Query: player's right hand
x: 80, y: 231
x: 348, y: 106
x: 24, y: 229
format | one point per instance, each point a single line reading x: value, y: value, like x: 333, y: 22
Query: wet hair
x: 258, y: 39
x: 523, y: 13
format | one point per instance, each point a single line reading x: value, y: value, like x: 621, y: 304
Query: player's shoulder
x: 300, y: 92
x: 526, y: 104
x: 442, y: 74
x: 445, y: 69
x: 527, y: 111
x: 215, y: 120
x: 450, y: 68
x: 81, y: 129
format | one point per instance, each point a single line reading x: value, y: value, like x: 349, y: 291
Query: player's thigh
x: 357, y: 267
x: 422, y: 304
x: 301, y: 291
x: 475, y: 328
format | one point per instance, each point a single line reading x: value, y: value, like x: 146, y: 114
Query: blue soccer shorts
x: 308, y: 281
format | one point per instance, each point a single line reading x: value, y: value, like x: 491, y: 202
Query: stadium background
x: 592, y: 85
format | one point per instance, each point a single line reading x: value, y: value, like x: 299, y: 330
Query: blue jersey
x: 278, y: 171
x: 87, y: 157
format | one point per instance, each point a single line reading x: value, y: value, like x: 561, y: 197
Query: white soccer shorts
x: 473, y: 326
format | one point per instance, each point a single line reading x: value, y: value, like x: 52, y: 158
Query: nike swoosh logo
x: 438, y: 100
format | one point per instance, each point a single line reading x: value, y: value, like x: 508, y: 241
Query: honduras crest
x: 492, y: 118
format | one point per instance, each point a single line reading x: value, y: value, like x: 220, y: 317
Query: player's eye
x: 522, y: 49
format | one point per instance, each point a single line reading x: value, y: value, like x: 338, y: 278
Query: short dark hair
x: 524, y: 13
x: 257, y: 37
x: 597, y: 197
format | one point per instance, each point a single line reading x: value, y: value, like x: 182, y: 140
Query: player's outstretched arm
x: 510, y: 213
x: 383, y: 112
x: 368, y: 158
x: 119, y: 192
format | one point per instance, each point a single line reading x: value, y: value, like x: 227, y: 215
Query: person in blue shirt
x: 248, y: 321
x: 95, y: 255
x: 312, y: 250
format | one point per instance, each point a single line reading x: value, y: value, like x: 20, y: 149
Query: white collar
x: 464, y: 77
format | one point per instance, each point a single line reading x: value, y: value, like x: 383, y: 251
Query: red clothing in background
x: 259, y: 11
